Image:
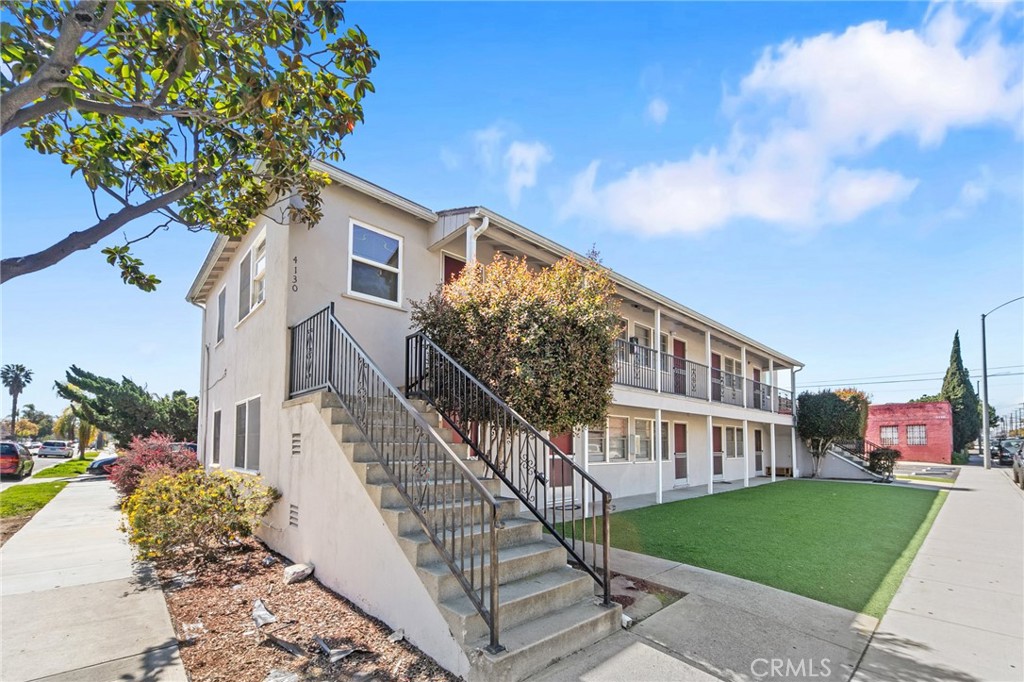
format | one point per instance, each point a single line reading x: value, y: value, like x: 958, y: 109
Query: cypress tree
x: 957, y: 390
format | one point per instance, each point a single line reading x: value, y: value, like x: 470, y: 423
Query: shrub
x: 188, y: 518
x: 961, y: 458
x: 145, y: 456
x: 883, y: 461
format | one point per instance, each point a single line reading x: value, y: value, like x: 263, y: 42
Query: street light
x: 984, y: 386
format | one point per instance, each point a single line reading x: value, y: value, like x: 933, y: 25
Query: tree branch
x: 78, y: 241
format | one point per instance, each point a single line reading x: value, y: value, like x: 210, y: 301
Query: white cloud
x: 977, y: 190
x: 487, y: 144
x: 806, y: 112
x: 657, y: 111
x: 451, y: 160
x: 522, y: 160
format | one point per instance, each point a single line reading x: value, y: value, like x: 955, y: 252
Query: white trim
x: 249, y: 314
x: 245, y: 401
x: 608, y: 440
x: 214, y: 440
x: 222, y: 316
x: 374, y: 191
x: 452, y: 255
x: 349, y: 291
x: 675, y: 449
x: 636, y: 436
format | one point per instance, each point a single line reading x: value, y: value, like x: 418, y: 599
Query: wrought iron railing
x: 563, y: 497
x: 683, y: 377
x: 727, y: 387
x: 783, y: 401
x: 635, y: 365
x: 860, y: 450
x: 445, y: 496
x: 759, y: 395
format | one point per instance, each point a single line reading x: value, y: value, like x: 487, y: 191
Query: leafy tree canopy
x: 43, y: 421
x: 825, y: 418
x: 204, y: 113
x: 542, y: 340
x: 124, y: 409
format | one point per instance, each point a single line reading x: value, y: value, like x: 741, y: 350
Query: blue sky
x: 839, y: 181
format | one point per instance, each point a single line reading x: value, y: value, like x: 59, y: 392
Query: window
x: 733, y: 442
x: 618, y: 435
x: 665, y: 452
x: 247, y: 435
x: 375, y: 264
x: 645, y: 354
x: 917, y: 434
x: 595, y: 445
x: 622, y: 340
x: 222, y: 300
x: 643, y: 433
x: 889, y: 435
x: 252, y: 277
x: 216, y: 437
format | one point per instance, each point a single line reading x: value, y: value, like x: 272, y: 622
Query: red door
x: 757, y: 391
x: 716, y: 379
x: 561, y: 471
x: 758, y: 451
x: 716, y: 447
x: 452, y: 268
x: 679, y: 368
x: 680, y: 451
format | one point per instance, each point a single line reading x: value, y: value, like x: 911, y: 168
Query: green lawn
x: 72, y: 467
x: 843, y: 543
x: 19, y: 500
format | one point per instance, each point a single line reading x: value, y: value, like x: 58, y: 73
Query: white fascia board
x: 204, y: 272
x: 375, y: 192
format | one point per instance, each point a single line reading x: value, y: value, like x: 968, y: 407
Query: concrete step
x: 514, y: 563
x: 350, y: 433
x: 339, y: 415
x: 534, y: 645
x: 516, y: 531
x: 404, y: 451
x: 372, y: 471
x: 387, y: 495
x: 520, y: 601
x: 401, y: 520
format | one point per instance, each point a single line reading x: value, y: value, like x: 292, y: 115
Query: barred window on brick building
x: 917, y: 434
x: 889, y: 435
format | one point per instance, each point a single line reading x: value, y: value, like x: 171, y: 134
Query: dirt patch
x: 219, y: 642
x: 11, y: 525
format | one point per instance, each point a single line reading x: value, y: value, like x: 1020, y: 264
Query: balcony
x: 637, y: 367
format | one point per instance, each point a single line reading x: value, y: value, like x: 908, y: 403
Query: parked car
x: 34, y: 446
x: 178, y: 447
x: 101, y: 466
x: 1018, y: 467
x: 1007, y: 449
x: 15, y: 460
x: 56, y: 448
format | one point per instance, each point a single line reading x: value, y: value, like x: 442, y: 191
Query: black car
x: 101, y: 466
x: 1007, y: 449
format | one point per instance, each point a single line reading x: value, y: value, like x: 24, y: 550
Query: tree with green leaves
x: 542, y: 340
x: 15, y: 377
x: 205, y: 114
x: 125, y: 409
x: 41, y: 419
x: 958, y: 391
x: 823, y: 419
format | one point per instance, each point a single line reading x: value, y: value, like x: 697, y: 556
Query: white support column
x: 792, y: 395
x: 771, y: 436
x: 707, y: 363
x: 586, y: 468
x: 711, y: 458
x: 743, y: 379
x: 772, y: 400
x: 657, y: 354
x: 657, y: 452
x: 796, y: 466
x: 746, y: 458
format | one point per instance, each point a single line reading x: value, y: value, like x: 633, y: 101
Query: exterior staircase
x: 853, y: 459
x: 547, y: 609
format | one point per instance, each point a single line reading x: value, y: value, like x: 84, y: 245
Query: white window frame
x: 608, y: 440
x: 637, y: 438
x: 733, y: 441
x: 917, y: 439
x: 597, y: 446
x: 234, y: 441
x: 254, y: 278
x: 666, y: 446
x: 222, y: 315
x: 888, y: 442
x: 352, y: 223
x: 217, y: 436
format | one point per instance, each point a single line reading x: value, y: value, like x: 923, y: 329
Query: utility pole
x: 984, y: 376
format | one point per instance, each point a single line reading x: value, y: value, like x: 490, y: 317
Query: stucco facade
x: 922, y: 432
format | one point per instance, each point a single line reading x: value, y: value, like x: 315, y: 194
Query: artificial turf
x: 846, y: 544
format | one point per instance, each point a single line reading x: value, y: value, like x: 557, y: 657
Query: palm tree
x: 15, y: 378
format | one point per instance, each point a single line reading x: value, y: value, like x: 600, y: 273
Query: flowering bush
x: 147, y: 455
x: 189, y: 517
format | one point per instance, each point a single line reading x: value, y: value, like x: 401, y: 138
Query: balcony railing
x: 637, y: 366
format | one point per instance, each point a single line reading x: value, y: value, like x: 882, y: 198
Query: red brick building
x: 923, y: 432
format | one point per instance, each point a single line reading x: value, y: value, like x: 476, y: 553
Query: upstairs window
x: 222, y: 300
x: 889, y: 435
x: 375, y: 264
x: 252, y: 277
x: 917, y: 434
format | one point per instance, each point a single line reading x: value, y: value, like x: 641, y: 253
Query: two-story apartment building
x: 693, y: 402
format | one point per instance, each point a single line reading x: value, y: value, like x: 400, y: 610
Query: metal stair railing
x: 555, y: 490
x: 446, y: 497
x: 861, y: 450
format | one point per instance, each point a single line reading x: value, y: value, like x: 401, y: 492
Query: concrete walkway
x: 74, y: 607
x: 686, y: 493
x: 959, y: 614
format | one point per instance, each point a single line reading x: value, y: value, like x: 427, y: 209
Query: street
x: 41, y: 463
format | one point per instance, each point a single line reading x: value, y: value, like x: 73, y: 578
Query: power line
x: 914, y: 374
x: 898, y: 381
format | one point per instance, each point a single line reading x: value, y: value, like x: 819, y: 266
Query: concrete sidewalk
x: 75, y: 607
x: 959, y: 613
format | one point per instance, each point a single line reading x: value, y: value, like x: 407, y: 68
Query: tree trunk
x: 14, y: 416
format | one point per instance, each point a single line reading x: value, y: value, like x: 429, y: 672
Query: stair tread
x: 524, y: 588
x: 439, y: 568
x: 476, y: 529
x: 453, y: 504
x: 534, y: 632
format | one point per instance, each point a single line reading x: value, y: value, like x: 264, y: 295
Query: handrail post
x: 330, y: 349
x: 495, y: 647
x: 606, y: 524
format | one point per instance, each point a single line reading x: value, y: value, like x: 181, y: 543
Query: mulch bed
x: 219, y: 642
x: 11, y: 525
